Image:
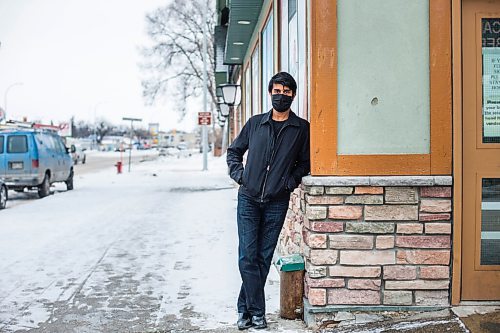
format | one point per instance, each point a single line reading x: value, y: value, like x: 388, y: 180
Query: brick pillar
x: 373, y: 241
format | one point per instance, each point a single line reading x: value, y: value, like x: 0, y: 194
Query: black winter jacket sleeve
x: 235, y: 154
x: 302, y: 165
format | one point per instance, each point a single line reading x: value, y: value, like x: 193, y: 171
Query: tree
x: 174, y: 62
x: 81, y: 129
x: 103, y: 127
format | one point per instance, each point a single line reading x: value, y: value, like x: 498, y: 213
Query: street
x: 96, y: 161
x: 150, y: 250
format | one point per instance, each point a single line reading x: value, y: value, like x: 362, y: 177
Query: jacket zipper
x: 264, y: 186
x: 269, y: 165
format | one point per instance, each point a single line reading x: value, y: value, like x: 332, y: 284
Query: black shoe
x: 259, y: 322
x: 244, y: 321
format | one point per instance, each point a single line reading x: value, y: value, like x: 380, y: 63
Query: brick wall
x: 291, y: 240
x: 366, y: 244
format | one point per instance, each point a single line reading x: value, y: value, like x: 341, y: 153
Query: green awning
x: 243, y: 16
x: 220, y: 45
x: 220, y: 78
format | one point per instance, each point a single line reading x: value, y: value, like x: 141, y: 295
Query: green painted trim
x: 241, y: 9
x: 291, y: 263
x: 220, y: 78
x: 256, y: 32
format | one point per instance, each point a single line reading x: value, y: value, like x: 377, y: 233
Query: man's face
x: 281, y: 89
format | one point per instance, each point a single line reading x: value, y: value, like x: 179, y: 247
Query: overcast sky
x: 74, y: 55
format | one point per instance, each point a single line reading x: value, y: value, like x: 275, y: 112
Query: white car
x: 78, y: 154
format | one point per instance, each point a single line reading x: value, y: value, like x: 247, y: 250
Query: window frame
x: 269, y: 23
x: 247, y: 93
x: 325, y: 159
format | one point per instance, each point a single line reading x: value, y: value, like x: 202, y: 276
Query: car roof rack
x: 24, y: 125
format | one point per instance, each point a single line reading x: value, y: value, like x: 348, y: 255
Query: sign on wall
x: 491, y: 79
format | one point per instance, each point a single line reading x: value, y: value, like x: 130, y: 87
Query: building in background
x: 402, y: 207
x: 174, y: 138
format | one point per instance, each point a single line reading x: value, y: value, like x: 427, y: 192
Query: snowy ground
x: 153, y: 250
x: 146, y: 251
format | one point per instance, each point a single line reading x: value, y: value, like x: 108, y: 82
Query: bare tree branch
x: 173, y: 63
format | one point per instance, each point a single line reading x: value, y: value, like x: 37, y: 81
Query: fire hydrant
x: 118, y: 167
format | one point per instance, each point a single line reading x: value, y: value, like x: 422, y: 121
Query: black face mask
x: 281, y: 103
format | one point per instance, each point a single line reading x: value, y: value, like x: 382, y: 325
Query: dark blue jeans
x: 259, y: 227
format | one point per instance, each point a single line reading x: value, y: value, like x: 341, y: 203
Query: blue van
x: 34, y: 159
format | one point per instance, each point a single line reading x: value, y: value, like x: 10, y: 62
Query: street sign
x: 65, y: 129
x: 204, y: 118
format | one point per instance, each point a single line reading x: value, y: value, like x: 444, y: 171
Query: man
x: 278, y: 158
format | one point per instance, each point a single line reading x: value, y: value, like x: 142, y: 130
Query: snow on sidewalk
x: 154, y: 249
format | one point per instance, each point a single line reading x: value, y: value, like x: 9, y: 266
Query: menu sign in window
x: 491, y: 79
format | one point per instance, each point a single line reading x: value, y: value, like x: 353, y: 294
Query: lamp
x: 224, y: 109
x: 231, y: 93
x: 218, y: 91
x: 221, y: 119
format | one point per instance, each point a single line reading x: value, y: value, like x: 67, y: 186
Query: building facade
x: 402, y: 207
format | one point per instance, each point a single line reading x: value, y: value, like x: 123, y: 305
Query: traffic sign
x: 204, y: 118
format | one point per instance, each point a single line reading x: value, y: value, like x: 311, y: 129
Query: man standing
x: 278, y: 158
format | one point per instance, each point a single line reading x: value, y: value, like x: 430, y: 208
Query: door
x: 17, y: 158
x: 65, y: 159
x: 481, y: 150
x: 56, y: 158
x: 47, y: 156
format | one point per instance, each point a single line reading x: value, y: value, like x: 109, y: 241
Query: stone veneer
x: 372, y: 241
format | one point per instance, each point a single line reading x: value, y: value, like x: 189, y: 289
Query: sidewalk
x: 154, y: 250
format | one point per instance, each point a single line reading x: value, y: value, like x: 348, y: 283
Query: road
x: 98, y: 161
x: 95, y: 162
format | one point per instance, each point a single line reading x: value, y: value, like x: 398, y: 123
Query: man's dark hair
x: 285, y: 79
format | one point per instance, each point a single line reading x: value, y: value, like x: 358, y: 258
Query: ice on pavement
x: 137, y: 250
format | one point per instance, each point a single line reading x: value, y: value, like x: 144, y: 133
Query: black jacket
x: 273, y: 169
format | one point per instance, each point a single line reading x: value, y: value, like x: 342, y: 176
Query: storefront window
x: 255, y: 81
x: 383, y: 77
x: 248, y: 94
x: 293, y: 49
x: 267, y: 62
x: 490, y: 222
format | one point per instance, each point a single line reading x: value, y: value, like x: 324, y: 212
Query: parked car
x: 3, y: 194
x: 182, y: 146
x: 162, y: 152
x: 78, y: 154
x: 34, y: 159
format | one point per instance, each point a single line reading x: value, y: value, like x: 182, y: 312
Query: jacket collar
x: 293, y: 119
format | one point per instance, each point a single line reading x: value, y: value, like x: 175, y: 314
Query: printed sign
x: 65, y: 129
x: 491, y: 79
x: 204, y: 118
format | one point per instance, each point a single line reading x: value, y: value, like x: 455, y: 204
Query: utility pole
x: 205, y: 85
x: 131, y: 137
